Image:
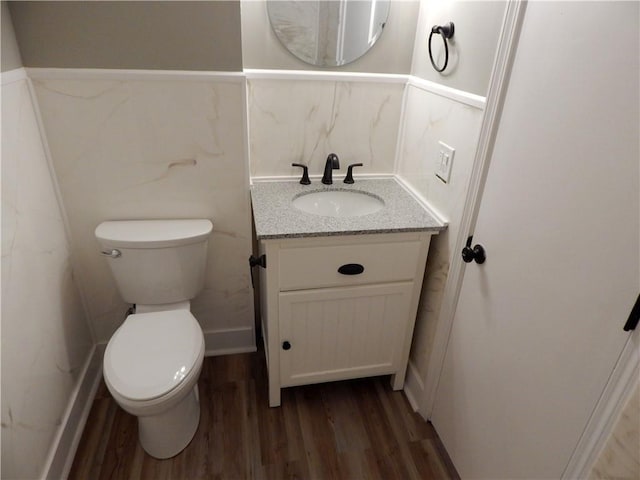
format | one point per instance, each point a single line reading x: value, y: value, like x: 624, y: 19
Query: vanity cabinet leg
x: 274, y: 394
x: 397, y: 379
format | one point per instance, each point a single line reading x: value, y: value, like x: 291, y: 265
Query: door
x: 339, y: 333
x: 538, y: 327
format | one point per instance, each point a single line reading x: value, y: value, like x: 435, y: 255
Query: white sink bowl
x: 338, y: 203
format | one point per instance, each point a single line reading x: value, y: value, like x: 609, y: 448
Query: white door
x: 538, y: 327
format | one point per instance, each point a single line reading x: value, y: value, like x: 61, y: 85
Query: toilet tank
x: 156, y: 261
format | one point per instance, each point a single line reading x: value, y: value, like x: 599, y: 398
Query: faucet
x: 332, y: 164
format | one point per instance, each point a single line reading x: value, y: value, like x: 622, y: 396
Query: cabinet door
x: 339, y: 333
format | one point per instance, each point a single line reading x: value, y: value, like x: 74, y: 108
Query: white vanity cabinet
x: 322, y: 325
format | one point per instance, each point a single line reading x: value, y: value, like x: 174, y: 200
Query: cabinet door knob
x: 351, y: 269
x: 286, y: 345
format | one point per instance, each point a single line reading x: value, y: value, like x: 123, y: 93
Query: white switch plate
x: 444, y: 161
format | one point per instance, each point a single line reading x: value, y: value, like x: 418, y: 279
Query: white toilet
x: 152, y: 362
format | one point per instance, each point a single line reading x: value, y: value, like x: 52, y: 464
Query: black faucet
x: 332, y: 164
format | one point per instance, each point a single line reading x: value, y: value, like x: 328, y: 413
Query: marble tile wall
x: 156, y: 148
x: 45, y: 336
x: 620, y: 457
x: 303, y: 121
x: 429, y: 118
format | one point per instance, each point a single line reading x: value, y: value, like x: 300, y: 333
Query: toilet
x: 152, y: 362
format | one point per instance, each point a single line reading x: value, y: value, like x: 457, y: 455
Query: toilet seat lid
x: 152, y: 353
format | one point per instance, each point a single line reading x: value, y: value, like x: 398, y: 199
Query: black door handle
x: 475, y: 253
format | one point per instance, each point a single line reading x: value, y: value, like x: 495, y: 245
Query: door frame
x: 624, y: 376
x: 502, y: 65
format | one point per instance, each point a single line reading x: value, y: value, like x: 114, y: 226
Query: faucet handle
x: 349, y: 177
x: 305, y: 173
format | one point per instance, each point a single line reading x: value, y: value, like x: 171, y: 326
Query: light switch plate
x: 444, y: 161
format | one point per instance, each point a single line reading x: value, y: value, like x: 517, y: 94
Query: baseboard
x: 228, y: 341
x: 68, y: 437
x: 413, y: 386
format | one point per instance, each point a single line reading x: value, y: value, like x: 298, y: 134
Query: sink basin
x: 338, y: 203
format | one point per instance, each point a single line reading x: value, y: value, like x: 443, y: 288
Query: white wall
x: 155, y: 145
x: 45, y: 338
x: 472, y: 48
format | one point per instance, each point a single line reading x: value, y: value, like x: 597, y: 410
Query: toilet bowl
x: 151, y: 367
x: 152, y: 362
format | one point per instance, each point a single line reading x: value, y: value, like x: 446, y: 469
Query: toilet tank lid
x: 153, y: 233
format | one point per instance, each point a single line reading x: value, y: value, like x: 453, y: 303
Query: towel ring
x: 447, y: 32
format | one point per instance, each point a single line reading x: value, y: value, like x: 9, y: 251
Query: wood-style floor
x: 358, y: 429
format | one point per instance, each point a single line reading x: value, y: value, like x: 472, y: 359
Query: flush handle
x: 114, y: 253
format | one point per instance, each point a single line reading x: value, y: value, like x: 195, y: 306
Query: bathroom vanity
x: 338, y: 295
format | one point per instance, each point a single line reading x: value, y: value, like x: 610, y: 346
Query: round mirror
x: 328, y: 33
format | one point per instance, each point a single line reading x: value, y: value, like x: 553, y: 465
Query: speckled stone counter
x: 276, y: 217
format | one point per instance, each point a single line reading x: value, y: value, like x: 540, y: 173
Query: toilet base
x: 166, y: 434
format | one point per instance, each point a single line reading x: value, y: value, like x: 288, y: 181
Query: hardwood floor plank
x: 398, y: 407
x: 351, y: 430
x: 426, y: 459
x: 317, y: 434
x: 235, y: 433
x: 253, y: 433
x: 93, y: 445
x: 346, y: 418
x: 272, y: 430
x: 154, y: 469
x: 137, y: 463
x: 384, y: 444
x: 122, y: 444
x: 296, y: 451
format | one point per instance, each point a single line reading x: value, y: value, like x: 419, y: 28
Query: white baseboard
x: 228, y: 341
x: 64, y: 447
x: 413, y: 386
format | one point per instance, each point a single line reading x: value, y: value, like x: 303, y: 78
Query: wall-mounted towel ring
x: 447, y: 32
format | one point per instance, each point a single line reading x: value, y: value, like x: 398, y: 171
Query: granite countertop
x: 275, y: 217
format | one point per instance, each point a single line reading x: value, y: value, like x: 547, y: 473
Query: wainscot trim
x: 130, y: 75
x: 36, y: 74
x: 11, y: 76
x: 460, y: 96
x: 256, y: 74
